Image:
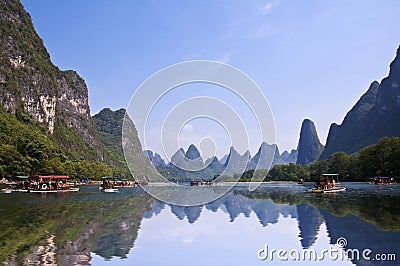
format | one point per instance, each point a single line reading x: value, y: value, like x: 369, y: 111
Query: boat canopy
x: 21, y: 177
x: 49, y: 176
x: 330, y: 174
x: 115, y: 178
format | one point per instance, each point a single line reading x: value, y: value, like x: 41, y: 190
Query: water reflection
x: 91, y: 228
x: 65, y: 229
x: 232, y: 205
x: 310, y: 221
x: 335, y: 213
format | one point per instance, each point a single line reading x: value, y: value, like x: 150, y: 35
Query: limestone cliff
x: 374, y: 116
x: 309, y: 147
x: 29, y: 82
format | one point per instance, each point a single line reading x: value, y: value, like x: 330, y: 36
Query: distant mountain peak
x: 309, y: 147
x: 177, y: 156
x: 192, y: 152
x: 266, y: 157
x: 155, y: 158
x: 289, y: 157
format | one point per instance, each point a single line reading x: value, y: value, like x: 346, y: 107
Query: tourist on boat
x: 333, y: 183
x: 326, y: 184
x: 319, y: 183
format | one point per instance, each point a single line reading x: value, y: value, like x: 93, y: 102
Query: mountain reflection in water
x: 90, y: 227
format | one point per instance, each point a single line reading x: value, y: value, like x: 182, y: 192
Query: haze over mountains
x: 230, y: 164
x: 375, y: 115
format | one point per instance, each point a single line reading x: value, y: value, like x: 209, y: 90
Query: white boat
x: 110, y: 184
x: 327, y: 187
x: 20, y: 190
x: 110, y: 190
x: 49, y: 184
x: 7, y: 190
x: 335, y: 189
x: 329, y: 190
x: 72, y: 189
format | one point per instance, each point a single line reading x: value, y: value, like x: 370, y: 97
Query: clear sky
x: 312, y: 59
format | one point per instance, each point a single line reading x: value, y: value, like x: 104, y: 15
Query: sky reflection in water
x: 131, y: 228
x: 232, y: 229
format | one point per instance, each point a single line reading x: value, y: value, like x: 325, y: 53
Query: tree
x: 339, y: 163
x: 12, y: 163
x: 291, y: 172
x: 382, y: 158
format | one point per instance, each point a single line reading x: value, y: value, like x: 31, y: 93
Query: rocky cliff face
x: 29, y: 82
x: 374, y: 116
x: 309, y: 147
x: 110, y: 125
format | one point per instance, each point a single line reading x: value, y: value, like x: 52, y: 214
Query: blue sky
x: 312, y: 59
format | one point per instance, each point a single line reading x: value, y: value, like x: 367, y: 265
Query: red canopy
x: 49, y: 176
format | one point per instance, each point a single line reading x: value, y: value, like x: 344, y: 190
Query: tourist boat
x: 329, y: 190
x: 110, y: 190
x: 108, y: 184
x: 327, y: 184
x: 194, y: 183
x: 17, y: 184
x: 122, y: 182
x: 200, y: 183
x: 378, y: 180
x: 7, y: 190
x: 49, y: 184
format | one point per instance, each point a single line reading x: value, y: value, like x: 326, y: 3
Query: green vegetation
x: 248, y: 176
x: 177, y: 175
x: 380, y: 159
x: 109, y: 125
x: 259, y: 175
x: 25, y: 150
x: 280, y: 172
x: 379, y: 209
x: 17, y: 22
x: 107, y: 225
x: 291, y: 172
x: 26, y: 76
x: 72, y: 144
x: 366, y: 123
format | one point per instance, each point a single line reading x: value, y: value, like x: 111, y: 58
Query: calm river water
x: 277, y: 224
